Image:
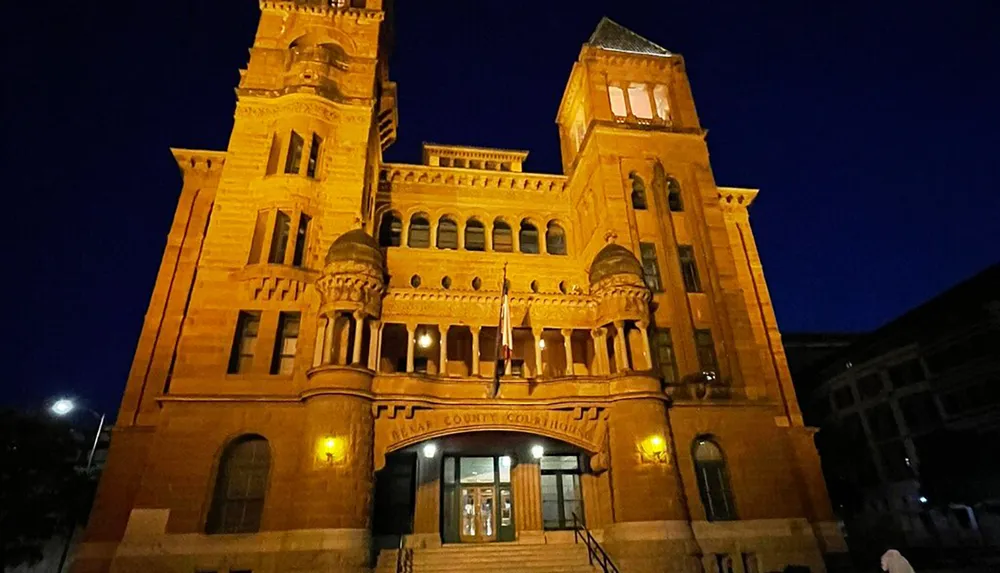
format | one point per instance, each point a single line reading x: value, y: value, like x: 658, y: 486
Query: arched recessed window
x: 713, y: 481
x: 638, y: 191
x: 555, y: 239
x: 503, y: 237
x: 475, y: 236
x: 528, y: 238
x: 420, y: 232
x: 674, y: 200
x: 447, y: 234
x: 238, y: 498
x: 390, y: 231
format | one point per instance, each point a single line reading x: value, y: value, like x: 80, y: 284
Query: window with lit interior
x: 713, y: 481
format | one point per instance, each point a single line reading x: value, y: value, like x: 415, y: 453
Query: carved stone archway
x: 399, y: 425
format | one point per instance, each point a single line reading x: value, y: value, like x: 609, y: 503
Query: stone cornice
x: 736, y: 198
x: 200, y: 160
x: 325, y: 9
x: 470, y: 152
x: 395, y: 173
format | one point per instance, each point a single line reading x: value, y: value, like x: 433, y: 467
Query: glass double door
x: 478, y: 514
x: 477, y: 500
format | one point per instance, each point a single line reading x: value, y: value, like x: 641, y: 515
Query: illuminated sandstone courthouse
x: 314, y: 380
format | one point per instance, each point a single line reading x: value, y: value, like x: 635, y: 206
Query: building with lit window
x: 314, y: 381
x: 910, y: 426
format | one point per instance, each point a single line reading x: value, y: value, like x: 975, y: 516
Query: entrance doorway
x: 561, y: 496
x: 483, y: 509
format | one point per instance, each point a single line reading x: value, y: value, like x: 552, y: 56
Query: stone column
x: 537, y: 338
x: 374, y: 335
x: 515, y: 236
x: 328, y: 349
x: 526, y: 478
x: 404, y: 239
x: 652, y: 530
x: 601, y: 349
x: 621, y: 347
x: 427, y: 501
x: 411, y: 331
x: 443, y: 347
x: 488, y: 236
x: 543, y: 248
x: 319, y: 350
x: 359, y: 327
x: 567, y: 334
x: 475, y: 349
x: 645, y: 344
x: 334, y: 484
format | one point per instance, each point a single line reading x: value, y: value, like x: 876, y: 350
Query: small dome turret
x: 356, y: 246
x: 614, y: 260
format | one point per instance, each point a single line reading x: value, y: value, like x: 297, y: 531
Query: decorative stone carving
x: 354, y: 277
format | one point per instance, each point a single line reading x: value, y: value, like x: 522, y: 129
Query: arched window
x: 528, y: 238
x: 447, y: 234
x: 713, y: 481
x: 555, y: 239
x: 390, y: 231
x: 420, y: 232
x: 238, y: 499
x: 638, y: 191
x: 674, y: 200
x: 503, y: 237
x: 475, y: 236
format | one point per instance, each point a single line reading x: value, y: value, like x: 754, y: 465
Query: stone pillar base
x: 652, y: 547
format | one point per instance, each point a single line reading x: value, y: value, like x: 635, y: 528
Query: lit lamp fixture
x: 425, y: 340
x: 541, y: 344
x: 430, y: 450
x: 331, y: 449
x: 505, y: 461
x: 62, y: 406
x: 654, y: 449
x: 537, y: 451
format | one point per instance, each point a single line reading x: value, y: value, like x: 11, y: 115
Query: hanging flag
x: 505, y: 336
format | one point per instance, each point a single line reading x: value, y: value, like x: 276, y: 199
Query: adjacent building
x: 314, y: 380
x: 901, y: 406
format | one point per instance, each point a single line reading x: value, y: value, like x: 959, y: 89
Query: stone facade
x: 642, y: 324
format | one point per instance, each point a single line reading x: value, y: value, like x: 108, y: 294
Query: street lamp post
x: 63, y: 407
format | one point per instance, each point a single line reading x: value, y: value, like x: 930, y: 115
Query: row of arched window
x: 674, y: 201
x: 241, y: 484
x: 501, y: 237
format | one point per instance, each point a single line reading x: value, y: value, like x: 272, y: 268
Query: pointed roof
x: 609, y: 35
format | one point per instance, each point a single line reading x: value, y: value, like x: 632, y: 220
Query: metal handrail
x: 594, y: 549
x: 404, y: 557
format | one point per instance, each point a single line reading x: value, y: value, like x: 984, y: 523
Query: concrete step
x: 548, y: 558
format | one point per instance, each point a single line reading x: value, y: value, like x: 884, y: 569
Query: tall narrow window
x: 663, y: 348
x: 447, y: 234
x: 561, y: 492
x: 528, y: 238
x: 390, y: 231
x: 617, y: 96
x: 707, y: 360
x: 503, y: 237
x: 294, y: 157
x: 314, y: 148
x: 475, y: 236
x: 273, y: 155
x: 713, y: 481
x: 300, y: 241
x: 638, y: 100
x: 674, y: 200
x: 257, y: 242
x: 286, y: 343
x: 279, y: 239
x: 689, y: 269
x: 244, y: 342
x: 420, y: 232
x: 662, y: 102
x: 579, y: 130
x: 638, y: 191
x: 555, y: 239
x: 238, y: 500
x: 650, y: 268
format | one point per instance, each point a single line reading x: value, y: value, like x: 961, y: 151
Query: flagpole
x: 500, y: 362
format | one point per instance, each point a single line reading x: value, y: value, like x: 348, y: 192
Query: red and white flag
x: 505, y: 336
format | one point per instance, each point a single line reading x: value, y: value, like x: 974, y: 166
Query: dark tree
x: 44, y: 492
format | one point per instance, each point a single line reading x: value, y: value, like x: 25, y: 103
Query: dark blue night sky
x: 871, y: 129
